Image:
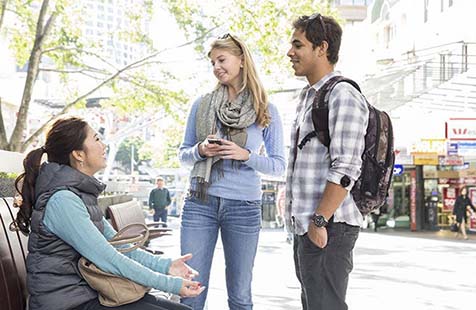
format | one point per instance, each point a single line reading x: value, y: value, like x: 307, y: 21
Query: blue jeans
x: 239, y: 223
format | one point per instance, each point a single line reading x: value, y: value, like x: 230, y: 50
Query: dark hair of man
x: 318, y: 28
x: 64, y: 136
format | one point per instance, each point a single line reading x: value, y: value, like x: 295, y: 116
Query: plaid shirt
x: 312, y: 167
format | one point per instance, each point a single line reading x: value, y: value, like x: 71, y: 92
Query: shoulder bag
x: 115, y: 290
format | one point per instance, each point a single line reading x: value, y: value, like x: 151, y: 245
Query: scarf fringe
x: 201, y: 190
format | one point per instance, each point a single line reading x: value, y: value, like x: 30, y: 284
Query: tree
x: 129, y: 146
x: 46, y: 36
x: 265, y: 25
x: 164, y: 154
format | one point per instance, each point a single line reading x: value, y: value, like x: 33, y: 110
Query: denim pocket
x: 252, y: 203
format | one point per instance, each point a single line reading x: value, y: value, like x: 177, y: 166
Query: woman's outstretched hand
x: 191, y: 289
x: 179, y: 268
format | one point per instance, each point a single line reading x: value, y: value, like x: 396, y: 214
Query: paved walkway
x: 393, y: 270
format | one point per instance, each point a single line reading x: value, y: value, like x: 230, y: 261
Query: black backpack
x: 371, y: 189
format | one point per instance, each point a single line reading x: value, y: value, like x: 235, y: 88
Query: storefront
x: 427, y: 182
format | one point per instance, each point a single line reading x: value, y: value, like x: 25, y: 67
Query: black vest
x: 54, y: 281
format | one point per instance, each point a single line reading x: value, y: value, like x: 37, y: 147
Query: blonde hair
x: 250, y: 79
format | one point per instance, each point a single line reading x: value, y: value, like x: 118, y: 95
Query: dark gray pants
x: 324, y: 273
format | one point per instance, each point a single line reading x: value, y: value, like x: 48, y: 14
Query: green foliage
x: 71, y: 56
x: 265, y: 25
x: 193, y: 17
x: 163, y: 149
x: 136, y: 92
x: 123, y: 155
x: 5, y: 175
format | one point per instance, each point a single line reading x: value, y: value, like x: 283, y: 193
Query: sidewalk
x: 443, y: 234
x: 387, y: 264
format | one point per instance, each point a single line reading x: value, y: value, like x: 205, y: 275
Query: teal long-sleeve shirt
x: 66, y: 216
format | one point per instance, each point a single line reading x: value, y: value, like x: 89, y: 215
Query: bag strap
x: 320, y: 107
x: 320, y: 111
x: 137, y: 239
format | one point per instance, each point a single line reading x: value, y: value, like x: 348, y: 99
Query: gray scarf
x: 235, y: 116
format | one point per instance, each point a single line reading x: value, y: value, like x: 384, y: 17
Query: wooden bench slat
x: 13, y: 292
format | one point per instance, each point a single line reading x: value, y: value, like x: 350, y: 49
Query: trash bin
x: 431, y: 213
x: 269, y: 206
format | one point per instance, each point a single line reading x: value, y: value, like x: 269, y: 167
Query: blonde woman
x: 225, y: 131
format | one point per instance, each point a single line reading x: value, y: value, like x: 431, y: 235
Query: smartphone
x: 214, y: 141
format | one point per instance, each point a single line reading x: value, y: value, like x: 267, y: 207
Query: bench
x: 130, y: 212
x: 13, y: 251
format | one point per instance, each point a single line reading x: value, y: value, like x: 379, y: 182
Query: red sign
x: 452, y: 160
x: 460, y: 181
x: 461, y: 129
x: 449, y: 197
x: 413, y: 200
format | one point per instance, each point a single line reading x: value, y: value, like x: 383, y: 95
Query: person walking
x: 320, y: 211
x: 59, y: 211
x: 461, y: 208
x: 159, y: 201
x: 225, y: 131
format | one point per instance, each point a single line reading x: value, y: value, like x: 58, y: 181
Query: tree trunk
x: 42, y: 30
x: 3, y: 7
x: 3, y: 134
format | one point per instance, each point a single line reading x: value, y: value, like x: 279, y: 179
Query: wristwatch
x: 319, y: 220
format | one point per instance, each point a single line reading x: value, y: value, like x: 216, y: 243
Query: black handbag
x: 454, y: 227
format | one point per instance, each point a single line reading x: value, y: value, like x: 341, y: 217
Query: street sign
x: 452, y: 160
x: 422, y: 158
x: 466, y: 148
x: 397, y: 170
x: 452, y: 148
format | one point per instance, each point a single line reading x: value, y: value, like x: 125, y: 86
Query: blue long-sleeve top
x: 66, y: 216
x: 240, y: 181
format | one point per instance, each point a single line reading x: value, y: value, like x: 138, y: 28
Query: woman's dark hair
x: 64, y: 136
x: 319, y: 28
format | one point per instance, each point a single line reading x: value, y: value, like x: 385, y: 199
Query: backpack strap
x: 320, y: 111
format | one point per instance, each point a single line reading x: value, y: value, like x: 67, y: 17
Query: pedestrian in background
x: 319, y: 208
x: 159, y: 201
x: 59, y: 211
x: 462, y: 206
x: 224, y: 133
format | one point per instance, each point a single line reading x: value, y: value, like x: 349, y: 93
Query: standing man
x: 159, y: 200
x: 320, y: 211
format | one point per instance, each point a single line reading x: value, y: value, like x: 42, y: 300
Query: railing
x: 417, y: 72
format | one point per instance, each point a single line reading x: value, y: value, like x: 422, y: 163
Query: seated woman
x: 60, y: 206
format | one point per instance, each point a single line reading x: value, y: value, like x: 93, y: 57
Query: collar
x: 324, y: 79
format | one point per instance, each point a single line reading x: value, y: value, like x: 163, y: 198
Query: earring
x: 81, y: 163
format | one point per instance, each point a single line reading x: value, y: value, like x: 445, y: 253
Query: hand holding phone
x: 214, y: 141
